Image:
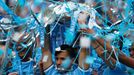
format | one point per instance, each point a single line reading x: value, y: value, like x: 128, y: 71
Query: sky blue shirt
x: 119, y: 70
x: 26, y: 68
x: 76, y: 71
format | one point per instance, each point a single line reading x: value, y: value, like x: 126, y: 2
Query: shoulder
x: 80, y: 70
x: 50, y: 70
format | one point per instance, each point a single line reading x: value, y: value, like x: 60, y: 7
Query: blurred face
x: 63, y: 61
x: 22, y: 12
x: 2, y: 48
x: 18, y: 47
x: 22, y: 45
x: 24, y: 51
x: 132, y: 51
x: 83, y: 20
x: 21, y: 53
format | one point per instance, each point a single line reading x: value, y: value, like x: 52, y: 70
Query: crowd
x: 66, y: 37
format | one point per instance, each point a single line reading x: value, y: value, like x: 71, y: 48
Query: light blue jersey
x: 119, y: 70
x: 26, y: 68
x: 130, y: 70
x: 76, y: 71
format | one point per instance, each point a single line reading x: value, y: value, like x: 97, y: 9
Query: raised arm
x: 81, y: 60
x: 129, y: 61
x: 98, y: 44
x: 46, y: 61
x: 110, y: 61
x: 83, y: 52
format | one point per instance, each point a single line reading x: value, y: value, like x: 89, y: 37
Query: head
x: 83, y: 19
x: 22, y: 43
x: 22, y: 50
x: 65, y: 57
x: 132, y: 50
x: 2, y: 52
x: 22, y: 12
